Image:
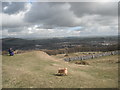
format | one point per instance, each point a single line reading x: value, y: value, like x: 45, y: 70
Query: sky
x: 58, y: 19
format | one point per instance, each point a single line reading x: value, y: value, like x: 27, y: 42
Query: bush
x: 4, y: 52
x: 82, y: 62
x: 66, y: 55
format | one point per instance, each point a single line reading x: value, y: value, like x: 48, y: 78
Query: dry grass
x: 36, y: 69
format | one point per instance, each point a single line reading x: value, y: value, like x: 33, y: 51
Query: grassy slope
x: 37, y: 69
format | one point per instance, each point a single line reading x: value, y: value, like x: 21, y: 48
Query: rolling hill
x: 36, y: 69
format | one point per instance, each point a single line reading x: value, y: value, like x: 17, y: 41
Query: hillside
x: 36, y: 69
x: 87, y: 43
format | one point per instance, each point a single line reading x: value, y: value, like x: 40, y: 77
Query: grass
x: 36, y: 69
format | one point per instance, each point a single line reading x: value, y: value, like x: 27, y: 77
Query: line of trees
x: 83, y: 49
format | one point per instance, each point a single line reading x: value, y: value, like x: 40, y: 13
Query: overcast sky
x: 59, y: 19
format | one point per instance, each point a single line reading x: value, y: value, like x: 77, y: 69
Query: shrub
x: 82, y: 62
x: 4, y: 52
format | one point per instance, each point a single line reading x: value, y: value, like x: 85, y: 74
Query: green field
x: 36, y: 69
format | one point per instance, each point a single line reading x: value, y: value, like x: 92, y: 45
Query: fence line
x: 92, y: 56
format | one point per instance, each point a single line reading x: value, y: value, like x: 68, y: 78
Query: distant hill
x: 56, y: 43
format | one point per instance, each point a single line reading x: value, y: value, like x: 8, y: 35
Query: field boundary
x: 91, y: 56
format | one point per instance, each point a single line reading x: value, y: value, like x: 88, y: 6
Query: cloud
x: 35, y: 32
x: 14, y: 20
x: 13, y: 7
x: 72, y: 14
x: 10, y: 21
x: 94, y: 8
x: 52, y: 15
x: 51, y: 19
